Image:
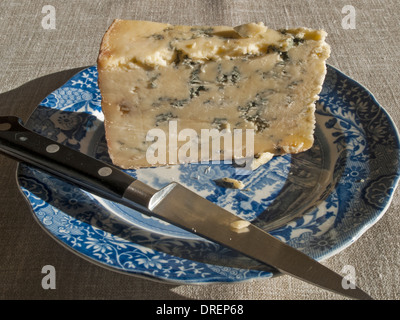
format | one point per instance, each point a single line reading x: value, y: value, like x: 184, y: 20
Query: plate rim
x: 379, y: 213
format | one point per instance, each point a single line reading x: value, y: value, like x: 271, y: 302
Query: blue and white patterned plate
x: 319, y: 201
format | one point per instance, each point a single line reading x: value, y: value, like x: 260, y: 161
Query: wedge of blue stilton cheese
x: 247, y: 77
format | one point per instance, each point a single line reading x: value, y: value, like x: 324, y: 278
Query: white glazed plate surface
x: 319, y: 201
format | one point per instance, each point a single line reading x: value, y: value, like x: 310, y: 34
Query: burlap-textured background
x: 34, y: 61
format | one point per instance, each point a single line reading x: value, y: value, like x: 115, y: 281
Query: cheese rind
x: 203, y: 77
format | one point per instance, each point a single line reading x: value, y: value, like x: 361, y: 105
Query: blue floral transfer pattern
x: 319, y: 201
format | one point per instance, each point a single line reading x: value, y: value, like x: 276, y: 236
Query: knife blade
x: 174, y: 204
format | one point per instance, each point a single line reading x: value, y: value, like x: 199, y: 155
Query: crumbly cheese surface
x: 204, y: 77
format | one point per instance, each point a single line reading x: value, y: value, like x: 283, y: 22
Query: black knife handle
x: 94, y: 175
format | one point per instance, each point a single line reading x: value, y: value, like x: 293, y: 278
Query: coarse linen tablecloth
x: 36, y: 57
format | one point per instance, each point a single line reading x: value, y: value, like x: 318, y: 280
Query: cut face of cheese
x: 163, y: 86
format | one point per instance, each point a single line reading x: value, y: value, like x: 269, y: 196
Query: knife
x: 174, y: 204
